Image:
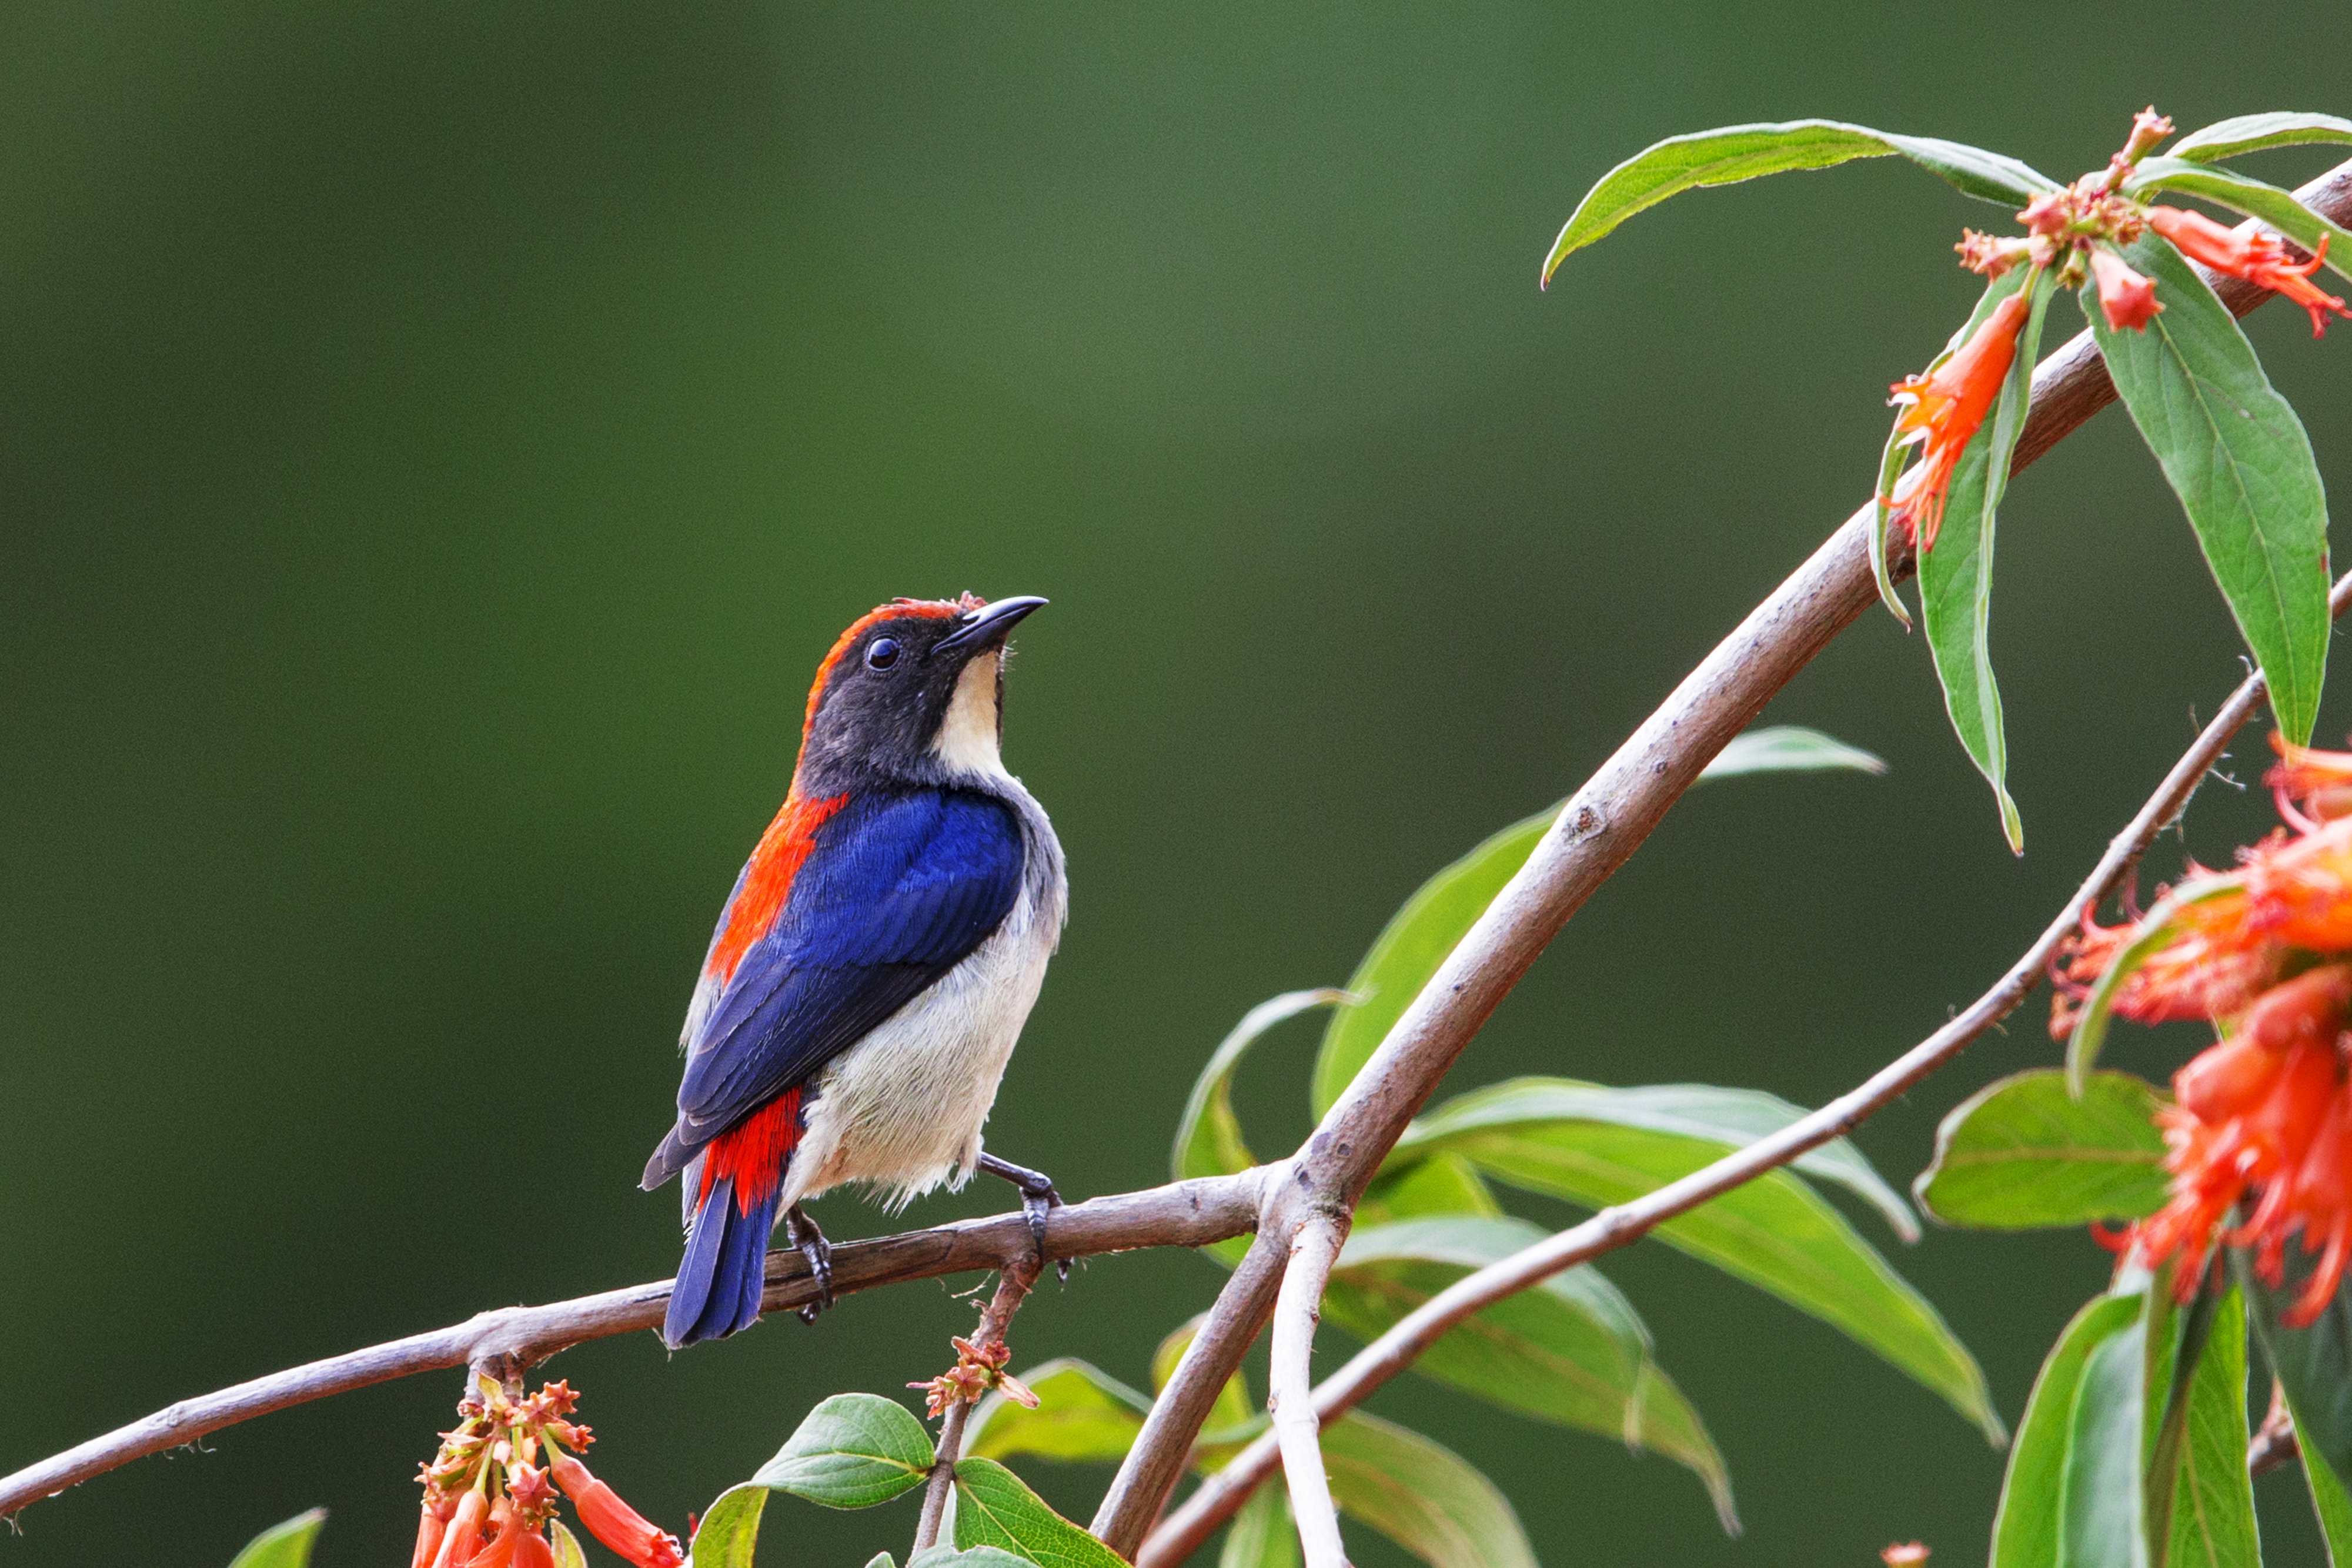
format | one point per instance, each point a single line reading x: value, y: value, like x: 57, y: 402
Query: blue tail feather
x: 724, y: 1270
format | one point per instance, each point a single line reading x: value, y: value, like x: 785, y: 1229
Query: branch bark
x: 1218, y: 1497
x: 1291, y: 1387
x: 1601, y: 825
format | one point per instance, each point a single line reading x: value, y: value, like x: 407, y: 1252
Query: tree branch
x: 1291, y: 1387
x: 1601, y: 825
x: 996, y: 1323
x: 1218, y: 1497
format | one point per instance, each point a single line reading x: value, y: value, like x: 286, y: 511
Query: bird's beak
x: 989, y: 623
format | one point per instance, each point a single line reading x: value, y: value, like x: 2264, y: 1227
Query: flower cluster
x: 977, y: 1369
x: 490, y: 1491
x: 2263, y: 1117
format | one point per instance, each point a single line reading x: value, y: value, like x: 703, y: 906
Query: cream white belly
x: 901, y: 1110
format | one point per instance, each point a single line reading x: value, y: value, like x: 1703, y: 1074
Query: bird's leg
x: 1038, y: 1199
x: 806, y: 1240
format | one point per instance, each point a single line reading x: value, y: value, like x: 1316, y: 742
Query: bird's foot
x: 1038, y: 1199
x: 806, y: 1240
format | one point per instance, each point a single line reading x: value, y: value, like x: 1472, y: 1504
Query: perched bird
x: 874, y: 965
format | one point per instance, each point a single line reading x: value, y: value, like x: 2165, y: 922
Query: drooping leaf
x: 1788, y: 748
x: 1956, y: 575
x: 729, y: 1532
x: 566, y: 1546
x: 1422, y: 1495
x: 1739, y: 152
x: 2314, y: 1364
x: 2157, y: 933
x: 853, y: 1451
x: 2253, y: 133
x: 2212, y: 1523
x: 2099, y: 1487
x: 2022, y: 1153
x: 1262, y: 1534
x: 2329, y: 1501
x: 1084, y: 1415
x: 286, y: 1545
x: 1774, y: 1232
x: 1726, y: 1118
x: 1208, y: 1137
x: 1442, y: 1184
x: 2242, y: 194
x: 2025, y: 1528
x: 1882, y: 513
x: 995, y: 1508
x: 2238, y: 459
x: 1235, y: 1418
x: 1570, y: 1350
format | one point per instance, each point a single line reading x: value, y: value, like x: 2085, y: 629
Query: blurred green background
x: 440, y: 440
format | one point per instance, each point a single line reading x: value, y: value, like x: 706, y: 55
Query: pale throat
x: 967, y: 741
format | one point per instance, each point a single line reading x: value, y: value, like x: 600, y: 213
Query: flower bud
x: 2125, y: 298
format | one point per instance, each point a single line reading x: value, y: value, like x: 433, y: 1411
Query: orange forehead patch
x: 929, y: 608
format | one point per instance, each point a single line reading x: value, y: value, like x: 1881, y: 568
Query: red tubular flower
x: 1944, y: 409
x: 2321, y: 782
x: 533, y: 1551
x: 2125, y: 298
x: 500, y: 1549
x: 432, y: 1524
x: 463, y: 1537
x: 2249, y: 253
x: 614, y: 1521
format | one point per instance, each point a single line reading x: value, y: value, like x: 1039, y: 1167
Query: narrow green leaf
x: 995, y: 1508
x: 2212, y: 1523
x: 2241, y: 194
x: 2099, y: 1487
x: 1570, y: 1350
x: 729, y: 1529
x: 1956, y: 575
x: 1084, y: 1415
x: 1209, y: 1139
x: 2238, y: 457
x: 2253, y: 133
x: 948, y: 1557
x: 1890, y: 464
x: 853, y: 1451
x: 2025, y: 1528
x: 2329, y: 1501
x: 1262, y: 1535
x: 1442, y: 1184
x: 2022, y: 1153
x: 1726, y: 1118
x: 2314, y: 1364
x: 2157, y: 933
x: 1788, y: 748
x: 1422, y: 1496
x: 1739, y: 152
x: 286, y: 1545
x: 566, y: 1546
x: 1775, y: 1232
x: 1235, y: 1417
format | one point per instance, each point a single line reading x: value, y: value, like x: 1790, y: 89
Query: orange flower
x: 463, y: 1537
x: 611, y: 1521
x: 2251, y: 254
x: 2320, y: 781
x: 1944, y: 408
x: 2125, y: 298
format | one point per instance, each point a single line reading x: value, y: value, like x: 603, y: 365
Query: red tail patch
x: 754, y: 1152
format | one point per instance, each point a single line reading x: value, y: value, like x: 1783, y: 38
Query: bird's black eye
x: 881, y: 653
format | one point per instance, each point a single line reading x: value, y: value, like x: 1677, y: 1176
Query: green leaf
x: 1881, y: 572
x: 729, y: 1529
x: 1570, y: 1350
x: 2238, y: 457
x: 854, y: 1450
x: 2099, y: 1487
x: 1262, y: 1535
x: 2241, y: 194
x: 1726, y: 1118
x: 2157, y: 933
x: 1442, y: 1184
x: 1235, y: 1417
x: 1955, y: 575
x: 2023, y: 1153
x: 1083, y: 1415
x: 2314, y: 1364
x: 2328, y: 1500
x: 286, y: 1545
x: 1739, y: 152
x: 2212, y: 1523
x: 2253, y: 133
x: 948, y: 1557
x: 1422, y: 1496
x: 2025, y: 1528
x: 1209, y: 1139
x: 1775, y: 1232
x: 1788, y: 748
x: 995, y: 1508
x: 566, y: 1546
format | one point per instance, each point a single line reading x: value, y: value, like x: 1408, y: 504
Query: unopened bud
x: 2125, y: 298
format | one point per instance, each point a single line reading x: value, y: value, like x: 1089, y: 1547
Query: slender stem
x: 1216, y: 1499
x: 1291, y: 1387
x: 996, y: 1323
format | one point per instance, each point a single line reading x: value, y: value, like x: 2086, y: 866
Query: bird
x: 872, y: 969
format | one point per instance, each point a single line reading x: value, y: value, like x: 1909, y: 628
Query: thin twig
x: 1291, y: 1386
x: 1601, y: 825
x: 1182, y: 1214
x: 996, y: 1323
x: 1218, y: 1497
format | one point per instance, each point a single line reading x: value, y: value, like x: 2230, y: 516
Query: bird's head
x: 913, y: 690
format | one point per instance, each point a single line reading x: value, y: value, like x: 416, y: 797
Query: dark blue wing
x: 897, y: 890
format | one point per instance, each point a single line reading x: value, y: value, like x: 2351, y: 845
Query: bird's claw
x: 1038, y: 1199
x: 810, y: 1243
